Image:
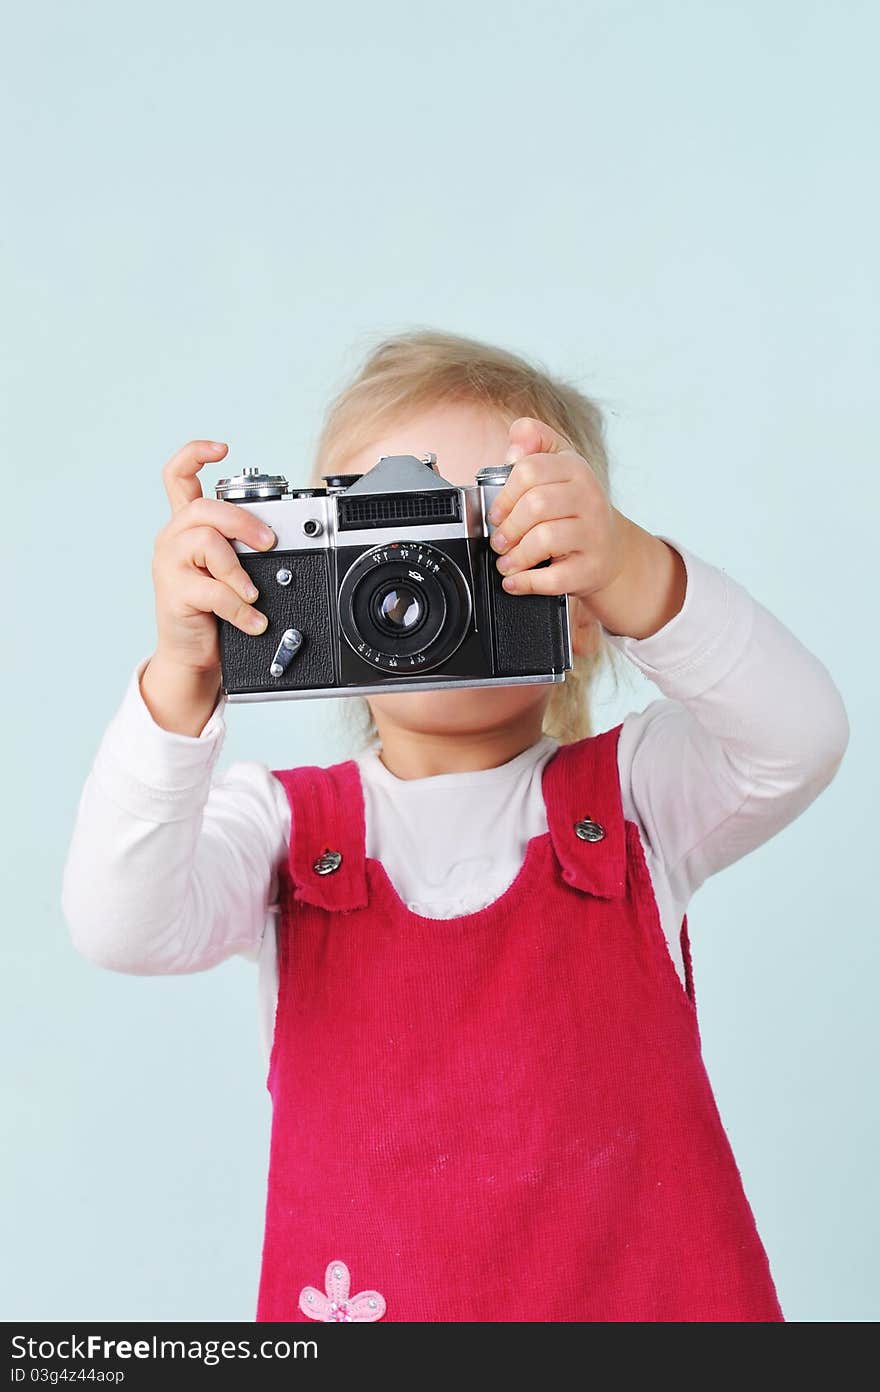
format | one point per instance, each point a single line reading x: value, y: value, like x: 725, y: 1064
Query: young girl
x: 489, y: 1101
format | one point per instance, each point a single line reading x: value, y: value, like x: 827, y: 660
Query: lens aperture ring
x: 428, y: 595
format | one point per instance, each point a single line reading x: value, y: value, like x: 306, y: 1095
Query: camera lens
x: 398, y: 610
x: 404, y: 607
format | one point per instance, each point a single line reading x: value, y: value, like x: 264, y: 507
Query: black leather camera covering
x: 303, y: 604
x: 529, y: 629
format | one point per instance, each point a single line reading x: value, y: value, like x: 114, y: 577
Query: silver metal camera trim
x: 404, y: 684
x: 288, y: 515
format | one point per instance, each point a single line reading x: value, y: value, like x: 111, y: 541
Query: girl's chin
x: 450, y: 705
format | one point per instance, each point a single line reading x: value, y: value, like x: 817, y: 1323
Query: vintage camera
x: 384, y: 581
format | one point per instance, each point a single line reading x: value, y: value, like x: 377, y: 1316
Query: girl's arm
x: 752, y: 730
x: 167, y: 871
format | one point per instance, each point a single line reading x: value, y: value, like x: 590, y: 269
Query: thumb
x: 529, y: 436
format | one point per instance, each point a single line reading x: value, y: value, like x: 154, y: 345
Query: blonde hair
x: 425, y: 367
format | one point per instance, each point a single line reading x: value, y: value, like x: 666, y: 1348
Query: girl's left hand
x: 552, y: 506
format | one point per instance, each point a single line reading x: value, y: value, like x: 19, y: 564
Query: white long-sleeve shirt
x: 172, y: 866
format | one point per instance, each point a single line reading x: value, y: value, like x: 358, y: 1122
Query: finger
x: 542, y: 502
x: 545, y: 541
x: 209, y: 596
x: 560, y: 577
x: 237, y: 523
x: 532, y: 471
x: 203, y: 546
x: 179, y: 474
x: 526, y: 435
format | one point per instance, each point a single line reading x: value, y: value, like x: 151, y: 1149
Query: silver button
x: 589, y: 830
x: 328, y: 862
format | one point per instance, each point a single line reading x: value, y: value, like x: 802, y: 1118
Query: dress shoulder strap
x: 581, y: 785
x: 327, y: 834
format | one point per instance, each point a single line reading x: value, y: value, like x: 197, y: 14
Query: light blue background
x: 209, y: 211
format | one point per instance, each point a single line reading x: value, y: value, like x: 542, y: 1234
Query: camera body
x: 384, y: 581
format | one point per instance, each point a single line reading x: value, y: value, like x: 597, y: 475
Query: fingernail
x: 509, y: 582
x: 250, y: 591
x: 217, y: 446
x: 495, y: 515
x: 257, y: 622
x: 514, y: 453
x: 267, y: 535
x: 499, y: 541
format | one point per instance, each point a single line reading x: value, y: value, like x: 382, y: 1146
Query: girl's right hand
x: 197, y: 574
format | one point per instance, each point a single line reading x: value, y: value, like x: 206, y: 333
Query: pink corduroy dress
x: 503, y: 1116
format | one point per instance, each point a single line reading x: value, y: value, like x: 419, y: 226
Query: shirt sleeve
x: 752, y: 729
x: 171, y: 868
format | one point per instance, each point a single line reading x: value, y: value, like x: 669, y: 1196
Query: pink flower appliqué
x: 336, y: 1304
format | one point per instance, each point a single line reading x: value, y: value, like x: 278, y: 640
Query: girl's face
x: 465, y: 437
